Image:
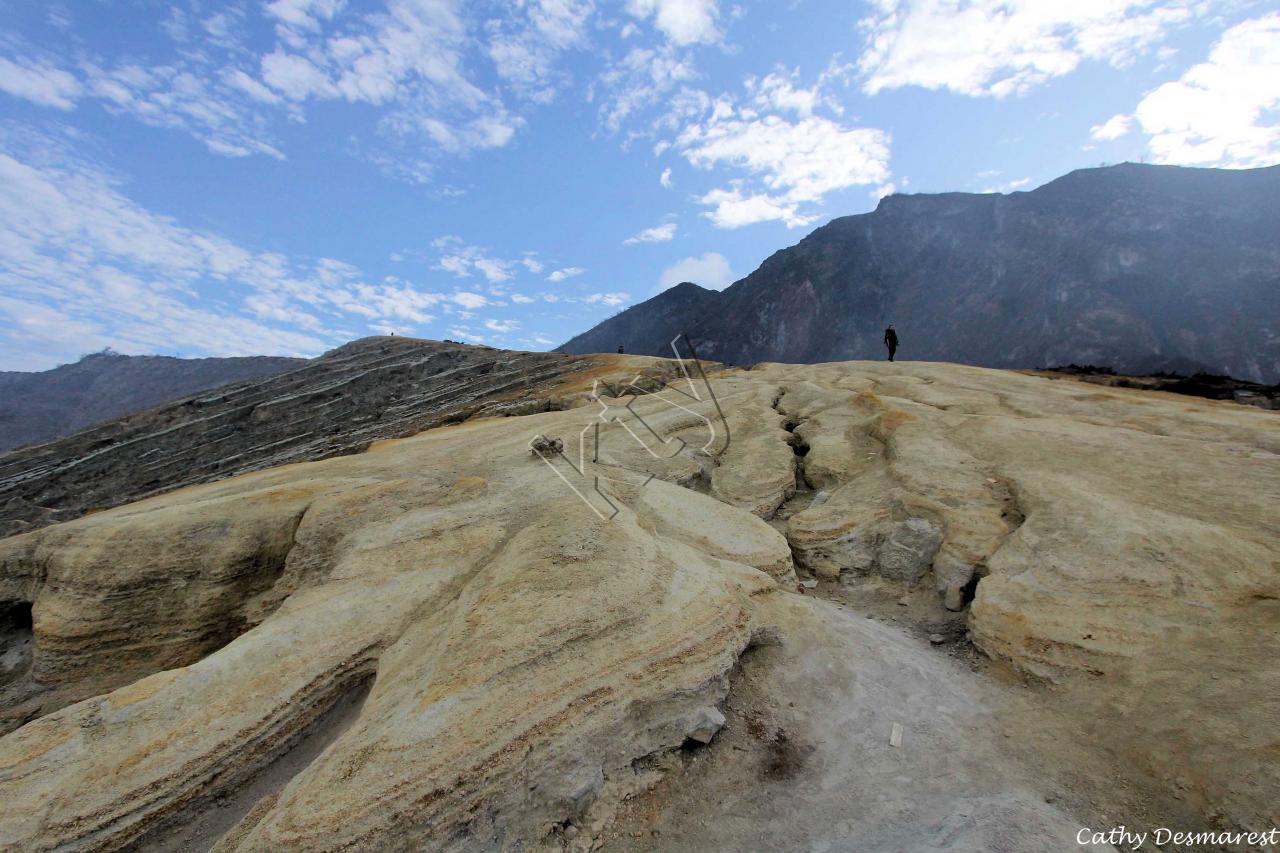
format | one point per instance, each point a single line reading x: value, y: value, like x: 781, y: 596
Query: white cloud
x: 1113, y: 128
x: 467, y: 299
x: 710, y: 271
x: 39, y: 83
x: 502, y: 326
x: 566, y: 272
x: 610, y: 299
x: 797, y: 162
x: 1224, y: 111
x: 211, y: 107
x: 303, y: 14
x: 730, y: 208
x: 463, y: 333
x: 533, y: 265
x: 85, y: 267
x: 525, y: 44
x: 521, y: 299
x: 665, y: 178
x: 412, y: 58
x: 296, y: 77
x: 641, y: 79
x: 463, y: 260
x: 238, y: 79
x: 372, y: 58
x: 657, y: 234
x: 493, y: 269
x: 1005, y: 47
x: 1008, y: 186
x: 778, y: 92
x: 459, y: 265
x: 683, y: 22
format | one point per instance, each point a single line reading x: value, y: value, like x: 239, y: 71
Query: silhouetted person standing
x: 891, y: 340
x: 620, y: 349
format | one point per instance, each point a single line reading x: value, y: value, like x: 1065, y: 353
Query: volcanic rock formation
x: 448, y: 642
x: 104, y: 385
x: 370, y: 389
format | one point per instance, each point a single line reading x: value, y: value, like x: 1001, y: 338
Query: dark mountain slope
x: 363, y: 391
x: 647, y: 328
x: 36, y: 407
x: 1142, y: 268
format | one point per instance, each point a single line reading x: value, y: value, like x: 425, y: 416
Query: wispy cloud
x: 683, y: 22
x: 710, y: 270
x: 526, y: 44
x: 85, y: 267
x: 793, y: 162
x: 1006, y: 48
x: 657, y: 234
x: 1111, y: 129
x: 610, y: 299
x: 39, y: 83
x: 467, y: 299
x: 642, y: 79
x: 462, y: 260
x: 410, y: 60
x: 566, y: 272
x: 1008, y: 186
x: 1224, y: 111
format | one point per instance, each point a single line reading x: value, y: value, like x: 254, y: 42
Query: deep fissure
x: 803, y: 493
x: 17, y: 639
x: 217, y: 812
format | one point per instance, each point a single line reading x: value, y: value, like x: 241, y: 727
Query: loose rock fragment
x: 707, y: 722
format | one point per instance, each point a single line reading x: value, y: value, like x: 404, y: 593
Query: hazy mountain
x: 647, y: 328
x: 1137, y: 267
x: 36, y: 407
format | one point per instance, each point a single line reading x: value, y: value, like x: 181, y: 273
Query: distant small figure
x: 620, y: 349
x: 891, y: 340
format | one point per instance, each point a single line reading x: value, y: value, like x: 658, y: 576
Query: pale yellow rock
x: 532, y: 630
x: 502, y: 620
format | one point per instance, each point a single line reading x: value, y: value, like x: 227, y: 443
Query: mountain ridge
x: 1143, y: 268
x: 101, y: 386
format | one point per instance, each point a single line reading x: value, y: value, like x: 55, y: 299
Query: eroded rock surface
x: 538, y: 643
x: 365, y: 391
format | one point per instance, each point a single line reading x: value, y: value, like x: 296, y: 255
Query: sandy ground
x: 805, y: 760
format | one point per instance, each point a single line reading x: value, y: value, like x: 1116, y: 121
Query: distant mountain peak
x: 685, y: 286
x: 1135, y: 266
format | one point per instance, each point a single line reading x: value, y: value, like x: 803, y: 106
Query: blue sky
x: 280, y: 177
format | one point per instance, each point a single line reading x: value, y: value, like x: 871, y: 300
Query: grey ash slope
x: 40, y: 406
x: 1141, y: 268
x: 369, y: 389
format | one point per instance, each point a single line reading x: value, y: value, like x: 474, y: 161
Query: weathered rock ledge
x: 529, y: 667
